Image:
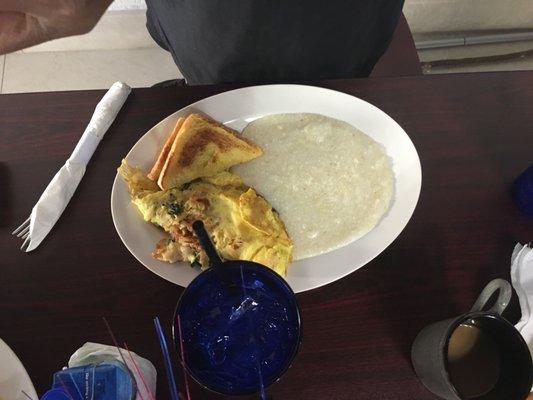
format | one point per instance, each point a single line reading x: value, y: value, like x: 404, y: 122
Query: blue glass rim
x: 262, y: 270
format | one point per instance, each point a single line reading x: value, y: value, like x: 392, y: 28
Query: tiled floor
x: 69, y: 70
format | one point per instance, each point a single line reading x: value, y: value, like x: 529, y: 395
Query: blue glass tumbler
x: 240, y: 325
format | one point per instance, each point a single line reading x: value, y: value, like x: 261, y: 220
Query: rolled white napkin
x: 522, y: 279
x: 57, y: 194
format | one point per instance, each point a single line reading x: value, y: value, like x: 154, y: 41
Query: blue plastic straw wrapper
x: 166, y: 357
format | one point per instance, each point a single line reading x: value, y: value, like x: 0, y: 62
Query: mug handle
x: 504, y: 296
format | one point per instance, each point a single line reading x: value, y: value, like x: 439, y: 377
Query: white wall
x: 128, y: 5
x: 429, y: 16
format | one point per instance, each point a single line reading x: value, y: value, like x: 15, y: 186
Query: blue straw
x: 166, y: 356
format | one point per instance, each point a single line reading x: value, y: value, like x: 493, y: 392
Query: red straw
x: 139, y: 373
x: 119, y: 351
x: 182, y: 351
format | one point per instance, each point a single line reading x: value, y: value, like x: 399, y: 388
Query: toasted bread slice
x: 202, y: 148
x: 160, y: 162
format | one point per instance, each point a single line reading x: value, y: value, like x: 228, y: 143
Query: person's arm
x: 25, y: 23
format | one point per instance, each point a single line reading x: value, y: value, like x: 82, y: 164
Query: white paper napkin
x: 57, y: 194
x: 522, y: 279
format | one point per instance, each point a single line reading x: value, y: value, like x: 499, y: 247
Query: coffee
x: 473, y: 361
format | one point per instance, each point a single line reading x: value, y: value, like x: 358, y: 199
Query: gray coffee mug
x: 430, y: 350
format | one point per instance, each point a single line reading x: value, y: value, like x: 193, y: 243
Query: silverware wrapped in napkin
x: 59, y: 191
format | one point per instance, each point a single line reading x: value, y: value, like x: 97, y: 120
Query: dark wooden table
x: 474, y: 136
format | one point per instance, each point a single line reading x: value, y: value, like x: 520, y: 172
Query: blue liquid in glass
x: 242, y: 334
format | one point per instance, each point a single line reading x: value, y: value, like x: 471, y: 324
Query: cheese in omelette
x: 243, y: 225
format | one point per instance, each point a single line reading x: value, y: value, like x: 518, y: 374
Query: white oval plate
x: 236, y: 109
x: 13, y: 377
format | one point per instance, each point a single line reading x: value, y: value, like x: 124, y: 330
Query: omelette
x: 242, y: 224
x: 190, y: 181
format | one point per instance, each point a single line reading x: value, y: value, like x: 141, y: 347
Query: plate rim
x: 22, y: 369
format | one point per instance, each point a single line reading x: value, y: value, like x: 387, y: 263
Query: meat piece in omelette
x: 242, y: 224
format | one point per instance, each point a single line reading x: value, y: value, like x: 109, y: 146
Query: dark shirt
x: 223, y: 41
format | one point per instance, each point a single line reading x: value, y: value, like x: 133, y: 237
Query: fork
x: 23, y: 232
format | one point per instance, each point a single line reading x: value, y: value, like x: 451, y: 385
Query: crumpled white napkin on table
x: 522, y: 280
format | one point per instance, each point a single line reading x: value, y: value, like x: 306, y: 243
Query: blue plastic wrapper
x: 522, y: 191
x: 56, y: 394
x: 106, y: 381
